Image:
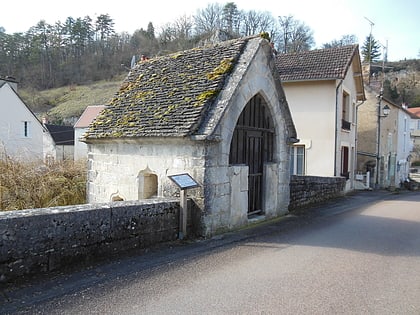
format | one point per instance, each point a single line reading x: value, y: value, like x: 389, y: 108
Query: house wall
x: 115, y: 168
x: 13, y: 114
x: 313, y: 110
x: 347, y: 138
x: 80, y: 148
x: 367, y: 134
x: 404, y: 149
x: 394, y: 146
x: 415, y: 137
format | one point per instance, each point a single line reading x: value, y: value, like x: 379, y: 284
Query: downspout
x: 336, y: 126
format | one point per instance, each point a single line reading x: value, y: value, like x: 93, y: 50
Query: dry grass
x: 64, y: 103
x: 26, y: 185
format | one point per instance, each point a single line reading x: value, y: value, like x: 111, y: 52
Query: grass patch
x: 63, y: 103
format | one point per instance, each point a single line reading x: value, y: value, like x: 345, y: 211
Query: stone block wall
x: 310, y: 190
x: 41, y: 240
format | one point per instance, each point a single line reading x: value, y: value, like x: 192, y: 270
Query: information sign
x: 184, y: 181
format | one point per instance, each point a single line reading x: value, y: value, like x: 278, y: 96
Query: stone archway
x: 252, y: 144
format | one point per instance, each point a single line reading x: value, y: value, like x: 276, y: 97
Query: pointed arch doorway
x: 252, y: 145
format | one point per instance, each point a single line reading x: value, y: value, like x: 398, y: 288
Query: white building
x: 323, y: 88
x: 22, y: 135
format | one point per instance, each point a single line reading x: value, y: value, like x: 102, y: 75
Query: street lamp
x: 382, y: 113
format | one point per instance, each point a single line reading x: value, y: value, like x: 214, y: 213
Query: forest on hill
x: 81, y: 51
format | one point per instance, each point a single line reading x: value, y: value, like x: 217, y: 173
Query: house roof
x: 88, y: 116
x: 62, y: 135
x: 169, y: 95
x: 415, y: 111
x: 321, y: 64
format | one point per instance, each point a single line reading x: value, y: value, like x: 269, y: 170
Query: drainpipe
x: 336, y: 126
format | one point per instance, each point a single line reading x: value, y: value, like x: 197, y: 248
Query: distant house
x: 415, y: 132
x: 388, y: 156
x: 323, y: 88
x: 218, y: 113
x: 22, y: 135
x: 81, y: 126
x: 63, y: 137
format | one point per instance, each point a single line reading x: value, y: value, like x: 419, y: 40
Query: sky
x: 394, y: 23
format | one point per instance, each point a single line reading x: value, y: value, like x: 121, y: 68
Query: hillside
x: 64, y: 105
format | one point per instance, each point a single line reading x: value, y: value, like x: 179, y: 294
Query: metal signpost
x: 184, y: 182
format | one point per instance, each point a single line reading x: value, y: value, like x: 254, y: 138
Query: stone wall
x: 41, y: 240
x: 309, y: 190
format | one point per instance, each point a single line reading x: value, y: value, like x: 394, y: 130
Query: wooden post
x: 183, y: 214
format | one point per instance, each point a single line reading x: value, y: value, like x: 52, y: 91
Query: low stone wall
x: 310, y: 190
x: 40, y: 240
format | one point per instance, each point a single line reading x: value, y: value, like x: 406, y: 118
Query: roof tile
x: 317, y: 64
x: 167, y: 96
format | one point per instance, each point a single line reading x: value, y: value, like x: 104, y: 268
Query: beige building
x: 323, y: 88
x: 392, y: 150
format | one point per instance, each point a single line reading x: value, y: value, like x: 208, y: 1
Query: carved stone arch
x: 117, y: 197
x: 252, y: 144
x: 147, y: 184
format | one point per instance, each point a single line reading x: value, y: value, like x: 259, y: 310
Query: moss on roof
x: 167, y: 96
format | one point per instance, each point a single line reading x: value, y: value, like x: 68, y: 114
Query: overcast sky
x: 396, y: 22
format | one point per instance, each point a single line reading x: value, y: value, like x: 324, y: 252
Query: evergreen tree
x: 371, y: 49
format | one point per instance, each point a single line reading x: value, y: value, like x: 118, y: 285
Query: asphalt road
x: 356, y: 255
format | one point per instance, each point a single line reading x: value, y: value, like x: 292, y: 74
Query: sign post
x: 184, y: 182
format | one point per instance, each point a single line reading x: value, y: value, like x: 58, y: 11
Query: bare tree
x: 295, y: 35
x: 209, y: 19
x: 343, y: 41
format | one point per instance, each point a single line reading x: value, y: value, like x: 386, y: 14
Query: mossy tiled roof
x: 168, y: 96
x: 317, y: 64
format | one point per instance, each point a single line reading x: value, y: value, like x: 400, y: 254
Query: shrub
x: 25, y: 185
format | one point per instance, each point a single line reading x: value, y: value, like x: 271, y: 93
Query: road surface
x: 358, y: 255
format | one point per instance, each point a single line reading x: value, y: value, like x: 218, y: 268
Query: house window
x: 26, y: 129
x: 345, y: 162
x: 297, y: 160
x: 345, y: 115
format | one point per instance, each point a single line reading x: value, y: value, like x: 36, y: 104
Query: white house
x: 405, y: 146
x: 217, y: 113
x: 81, y: 126
x: 323, y: 88
x: 22, y: 135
